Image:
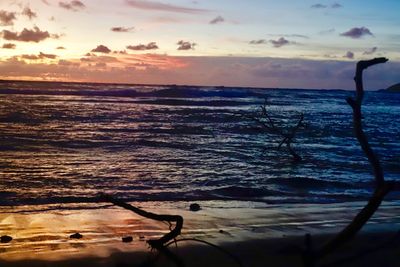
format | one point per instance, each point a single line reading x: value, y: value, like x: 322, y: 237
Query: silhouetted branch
x: 382, y: 187
x: 155, y: 243
x: 287, y: 136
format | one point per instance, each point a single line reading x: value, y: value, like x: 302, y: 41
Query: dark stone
x: 5, y: 239
x: 195, y: 207
x: 221, y: 231
x: 141, y: 237
x: 76, y: 236
x: 127, y: 239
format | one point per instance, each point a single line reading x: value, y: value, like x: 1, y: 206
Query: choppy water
x: 62, y: 143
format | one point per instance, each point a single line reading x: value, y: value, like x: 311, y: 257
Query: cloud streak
x: 122, y: 29
x: 9, y: 46
x: 217, y: 20
x: 143, y: 47
x: 258, y: 42
x: 72, y: 5
x: 280, y: 42
x: 370, y: 51
x: 38, y: 57
x: 158, y: 6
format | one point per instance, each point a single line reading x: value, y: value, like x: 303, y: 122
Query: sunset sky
x: 262, y: 43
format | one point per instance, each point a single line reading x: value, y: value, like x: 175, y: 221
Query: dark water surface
x: 62, y: 143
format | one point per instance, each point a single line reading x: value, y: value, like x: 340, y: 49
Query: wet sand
x: 257, y: 233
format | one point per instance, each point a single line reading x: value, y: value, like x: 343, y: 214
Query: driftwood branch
x: 382, y: 187
x: 154, y: 243
x: 266, y: 121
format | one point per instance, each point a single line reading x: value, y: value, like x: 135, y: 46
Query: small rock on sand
x: 76, y: 236
x: 5, y: 239
x: 127, y: 239
x: 194, y: 207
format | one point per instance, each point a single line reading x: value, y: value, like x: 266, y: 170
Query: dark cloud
x: 322, y: 6
x: 336, y: 5
x: 280, y: 42
x: 9, y: 46
x: 121, y: 52
x: 357, y: 33
x: 7, y: 18
x: 371, y: 51
x: 60, y: 48
x: 29, y: 13
x: 257, y: 42
x: 27, y: 35
x: 153, y: 5
x: 217, y: 20
x: 319, y: 6
x: 50, y: 56
x: 30, y: 57
x: 101, y: 49
x: 38, y: 57
x: 183, y: 45
x: 72, y: 5
x: 122, y: 29
x: 349, y: 55
x: 142, y: 47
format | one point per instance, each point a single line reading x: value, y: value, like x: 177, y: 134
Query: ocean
x: 64, y: 143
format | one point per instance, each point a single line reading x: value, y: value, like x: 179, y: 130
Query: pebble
x: 194, y: 207
x: 76, y: 236
x: 5, y: 239
x: 127, y: 239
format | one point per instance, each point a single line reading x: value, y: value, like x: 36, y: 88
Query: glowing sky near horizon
x: 286, y: 43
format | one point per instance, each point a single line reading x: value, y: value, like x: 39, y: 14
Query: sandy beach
x: 256, y: 233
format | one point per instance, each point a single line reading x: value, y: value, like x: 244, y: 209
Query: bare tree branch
x: 155, y: 243
x: 287, y: 135
x: 382, y: 187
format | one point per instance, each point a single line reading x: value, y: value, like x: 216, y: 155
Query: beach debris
x: 5, y: 239
x: 127, y: 239
x: 76, y: 236
x: 158, y: 244
x: 194, y: 207
x: 285, y: 132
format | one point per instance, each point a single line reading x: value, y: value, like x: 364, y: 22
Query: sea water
x: 68, y: 142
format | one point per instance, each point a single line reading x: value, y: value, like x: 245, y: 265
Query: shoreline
x: 43, y: 235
